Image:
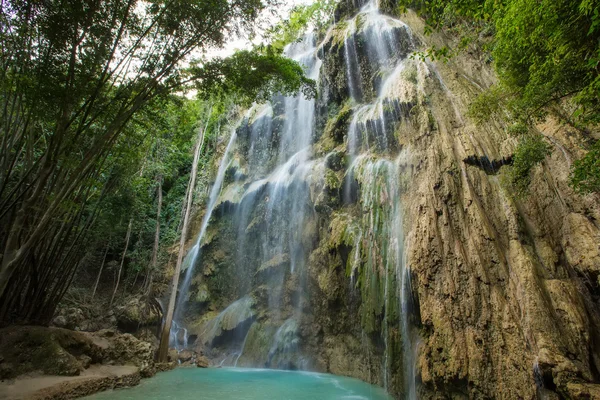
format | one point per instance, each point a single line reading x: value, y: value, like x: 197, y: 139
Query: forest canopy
x: 82, y: 87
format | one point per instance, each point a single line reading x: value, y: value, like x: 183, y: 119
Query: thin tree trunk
x: 156, y: 238
x: 137, y: 274
x: 163, y: 348
x: 122, y: 262
x: 100, y: 272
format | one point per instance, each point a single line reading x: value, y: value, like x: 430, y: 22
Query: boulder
x: 52, y: 351
x: 124, y: 348
x: 60, y: 321
x: 202, y: 362
x: 185, y: 356
x: 173, y: 355
x: 137, y: 313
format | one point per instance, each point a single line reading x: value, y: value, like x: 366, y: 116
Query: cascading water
x: 371, y: 135
x: 285, y: 191
x: 283, y: 167
x: 191, y: 258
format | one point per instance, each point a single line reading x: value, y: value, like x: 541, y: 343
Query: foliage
x: 531, y: 150
x: 252, y: 76
x: 585, y: 176
x: 545, y: 52
x: 316, y: 15
x: 488, y: 105
x: 83, y: 84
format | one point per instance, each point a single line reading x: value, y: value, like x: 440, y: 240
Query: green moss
x: 258, y: 342
x: 531, y: 150
x: 585, y: 176
x: 432, y: 123
x: 202, y: 295
x: 342, y: 230
x: 340, y: 33
x: 49, y: 350
x: 337, y: 127
x: 279, y: 260
x: 411, y: 74
x: 360, y: 22
x: 332, y: 182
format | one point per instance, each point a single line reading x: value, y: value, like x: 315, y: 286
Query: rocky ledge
x: 54, y: 363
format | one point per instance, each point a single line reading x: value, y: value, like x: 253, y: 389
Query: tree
x: 155, y: 247
x: 163, y: 348
x: 74, y: 77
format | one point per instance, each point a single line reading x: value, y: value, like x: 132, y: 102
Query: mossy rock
x: 332, y: 182
x: 257, y: 346
x: 52, y: 351
x: 278, y: 262
x: 202, y: 295
x: 337, y: 127
x: 342, y: 230
x: 234, y: 317
x: 336, y: 161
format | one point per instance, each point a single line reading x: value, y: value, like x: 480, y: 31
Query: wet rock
x: 185, y: 356
x: 173, y: 355
x: 238, y: 315
x: 202, y: 362
x: 335, y: 161
x: 85, y: 361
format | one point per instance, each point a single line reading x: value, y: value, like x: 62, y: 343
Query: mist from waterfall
x: 280, y: 176
x: 191, y: 257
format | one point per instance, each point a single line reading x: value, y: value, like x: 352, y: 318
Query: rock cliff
x: 370, y: 232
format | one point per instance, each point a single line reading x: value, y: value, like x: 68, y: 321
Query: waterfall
x: 370, y: 140
x: 189, y: 262
x: 285, y: 191
x: 283, y: 168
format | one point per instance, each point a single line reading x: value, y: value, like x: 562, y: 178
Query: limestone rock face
x: 507, y: 287
x: 414, y: 265
x: 124, y: 348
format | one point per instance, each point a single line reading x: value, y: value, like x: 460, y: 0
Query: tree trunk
x: 163, y: 348
x: 100, y: 272
x: 122, y: 262
x: 154, y: 262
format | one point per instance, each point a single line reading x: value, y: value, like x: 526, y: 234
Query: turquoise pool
x: 245, y: 384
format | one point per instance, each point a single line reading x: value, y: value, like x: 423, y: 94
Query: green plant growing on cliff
x: 531, y: 150
x: 545, y: 52
x: 316, y: 15
x: 585, y: 175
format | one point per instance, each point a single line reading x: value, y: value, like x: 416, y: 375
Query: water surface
x: 245, y: 384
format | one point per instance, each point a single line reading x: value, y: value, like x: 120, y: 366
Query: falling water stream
x: 189, y: 263
x: 284, y: 174
x: 371, y: 136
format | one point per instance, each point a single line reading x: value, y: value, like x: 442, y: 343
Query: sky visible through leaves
x: 271, y: 17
